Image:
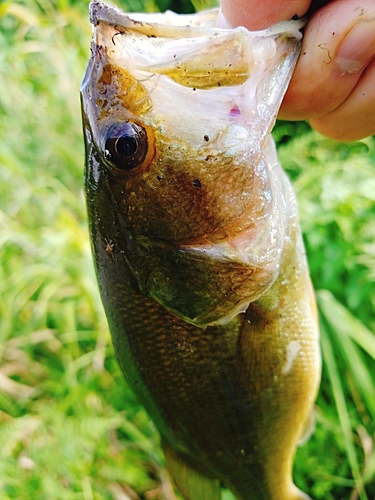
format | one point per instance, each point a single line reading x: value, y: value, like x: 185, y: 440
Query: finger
x: 256, y: 15
x: 338, y: 44
x: 355, y: 117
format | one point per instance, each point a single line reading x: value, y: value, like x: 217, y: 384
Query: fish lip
x: 100, y: 11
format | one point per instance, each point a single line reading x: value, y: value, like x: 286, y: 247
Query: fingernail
x: 222, y: 21
x: 357, y: 48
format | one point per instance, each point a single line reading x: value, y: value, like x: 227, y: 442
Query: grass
x: 69, y: 426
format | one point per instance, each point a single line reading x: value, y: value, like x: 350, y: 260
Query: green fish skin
x: 197, y: 246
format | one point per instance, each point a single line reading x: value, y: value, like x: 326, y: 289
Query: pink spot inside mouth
x: 235, y: 111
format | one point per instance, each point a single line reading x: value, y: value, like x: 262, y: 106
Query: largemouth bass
x: 197, y: 245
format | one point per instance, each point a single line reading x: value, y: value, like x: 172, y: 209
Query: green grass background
x: 69, y: 426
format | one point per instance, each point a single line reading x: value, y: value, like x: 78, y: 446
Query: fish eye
x: 126, y: 146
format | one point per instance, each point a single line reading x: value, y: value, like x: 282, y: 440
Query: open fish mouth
x: 178, y: 115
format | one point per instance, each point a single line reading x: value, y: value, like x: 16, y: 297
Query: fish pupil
x: 126, y: 145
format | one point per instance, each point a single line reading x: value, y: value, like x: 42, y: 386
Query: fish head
x: 177, y: 117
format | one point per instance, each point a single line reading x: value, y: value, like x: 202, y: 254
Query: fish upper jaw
x: 186, y: 63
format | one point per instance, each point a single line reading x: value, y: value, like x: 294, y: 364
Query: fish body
x: 196, y: 243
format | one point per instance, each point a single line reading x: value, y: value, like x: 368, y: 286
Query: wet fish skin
x: 230, y: 398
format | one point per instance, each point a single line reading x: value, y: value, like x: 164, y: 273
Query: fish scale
x: 216, y: 332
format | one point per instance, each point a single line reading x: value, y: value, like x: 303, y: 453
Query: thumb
x: 257, y: 15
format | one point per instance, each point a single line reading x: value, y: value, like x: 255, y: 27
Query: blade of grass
x: 347, y: 324
x: 339, y: 397
x: 349, y: 333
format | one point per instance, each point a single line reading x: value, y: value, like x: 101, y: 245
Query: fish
x: 197, y: 244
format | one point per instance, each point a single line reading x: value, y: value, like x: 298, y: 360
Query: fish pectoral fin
x: 193, y: 485
x: 307, y: 429
x: 297, y: 494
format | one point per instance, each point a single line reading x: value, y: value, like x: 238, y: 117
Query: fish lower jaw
x: 204, y: 284
x: 224, y: 320
x: 232, y: 278
x: 256, y: 246
x: 238, y: 252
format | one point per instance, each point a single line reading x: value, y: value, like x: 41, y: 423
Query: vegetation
x: 69, y: 426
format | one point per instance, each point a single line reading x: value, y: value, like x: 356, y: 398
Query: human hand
x: 333, y: 85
